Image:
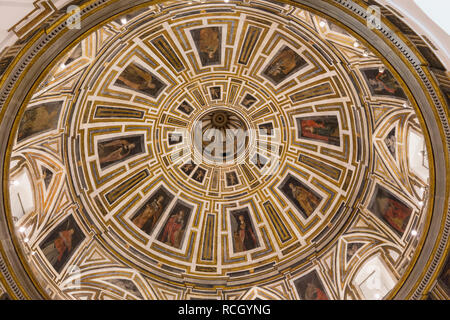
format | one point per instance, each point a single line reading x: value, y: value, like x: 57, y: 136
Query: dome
x: 225, y: 150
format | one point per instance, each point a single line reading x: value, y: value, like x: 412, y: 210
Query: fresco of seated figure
x: 309, y: 287
x: 322, y: 129
x: 60, y: 244
x: 285, y: 63
x: 390, y: 210
x: 208, y: 43
x: 137, y: 78
x: 381, y: 82
x: 38, y: 119
x: 113, y: 151
x: 304, y: 199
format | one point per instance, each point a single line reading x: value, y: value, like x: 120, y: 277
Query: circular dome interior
x: 219, y: 150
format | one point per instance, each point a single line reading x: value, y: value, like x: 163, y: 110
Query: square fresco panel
x: 137, y: 78
x: 390, y: 210
x: 322, y: 129
x: 199, y: 175
x: 59, y: 246
x: 216, y: 93
x: 186, y: 108
x: 114, y: 151
x: 38, y: 119
x: 285, y: 63
x: 232, y: 179
x: 187, y: 168
x: 147, y: 217
x: 304, y: 199
x: 248, y: 101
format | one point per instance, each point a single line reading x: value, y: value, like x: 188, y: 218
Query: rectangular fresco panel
x: 38, y: 119
x: 323, y: 129
x: 383, y: 83
x: 174, y: 229
x: 147, y: 217
x: 187, y: 168
x: 304, y: 199
x: 209, y: 45
x: 310, y: 287
x: 114, y: 151
x: 199, y: 175
x: 285, y: 63
x: 186, y: 108
x: 216, y: 93
x: 232, y: 179
x: 244, y: 235
x: 248, y: 101
x: 390, y: 210
x: 59, y: 246
x: 137, y: 78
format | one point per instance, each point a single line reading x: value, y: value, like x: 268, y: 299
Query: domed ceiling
x: 224, y: 150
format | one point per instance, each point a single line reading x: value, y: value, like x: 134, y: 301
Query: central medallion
x: 221, y: 136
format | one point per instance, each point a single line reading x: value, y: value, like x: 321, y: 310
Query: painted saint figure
x: 384, y: 81
x: 312, y: 292
x: 55, y: 250
x: 390, y: 209
x: 188, y: 168
x: 136, y: 78
x: 61, y: 242
x: 173, y: 230
x: 115, y: 150
x: 308, y: 203
x: 186, y: 108
x: 147, y: 219
x: 315, y: 129
x: 39, y: 119
x: 209, y: 41
x: 395, y: 214
x: 199, y: 175
x: 248, y: 101
x: 215, y: 93
x: 391, y: 142
x: 285, y: 63
x: 232, y: 179
x: 310, y: 287
x: 244, y: 237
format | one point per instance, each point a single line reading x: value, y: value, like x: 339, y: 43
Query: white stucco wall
x: 431, y: 21
x: 11, y: 12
